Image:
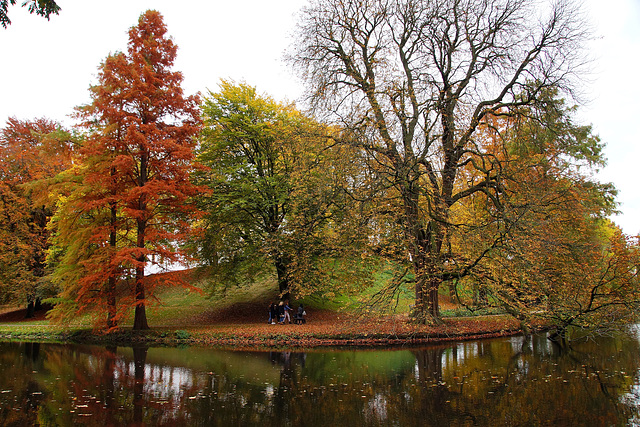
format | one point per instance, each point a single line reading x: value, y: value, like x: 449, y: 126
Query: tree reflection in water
x: 517, y: 381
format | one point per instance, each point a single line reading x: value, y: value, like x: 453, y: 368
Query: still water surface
x: 510, y: 382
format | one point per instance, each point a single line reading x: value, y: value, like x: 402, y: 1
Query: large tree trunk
x: 140, y: 318
x: 425, y: 244
x: 427, y: 303
x: 433, y: 302
x: 283, y: 278
x: 31, y: 310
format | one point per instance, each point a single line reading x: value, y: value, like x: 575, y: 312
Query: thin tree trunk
x: 111, y: 285
x: 111, y: 304
x: 140, y: 318
x: 452, y: 290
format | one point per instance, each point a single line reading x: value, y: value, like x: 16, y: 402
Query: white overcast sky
x: 46, y: 67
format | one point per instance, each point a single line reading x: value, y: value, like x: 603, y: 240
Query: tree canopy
x: 275, y: 187
x: 560, y: 260
x: 132, y: 201
x: 40, y: 7
x: 440, y: 153
x: 411, y: 82
x: 30, y: 151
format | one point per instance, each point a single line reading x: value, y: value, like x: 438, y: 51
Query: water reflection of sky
x: 459, y: 353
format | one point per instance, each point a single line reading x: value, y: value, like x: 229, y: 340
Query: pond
x: 510, y: 381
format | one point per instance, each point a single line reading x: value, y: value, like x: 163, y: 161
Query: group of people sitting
x: 280, y: 313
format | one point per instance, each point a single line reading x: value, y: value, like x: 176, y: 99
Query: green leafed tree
x: 276, y: 197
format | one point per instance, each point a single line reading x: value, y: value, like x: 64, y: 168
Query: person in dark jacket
x: 273, y: 313
x: 281, y: 312
x: 299, y: 317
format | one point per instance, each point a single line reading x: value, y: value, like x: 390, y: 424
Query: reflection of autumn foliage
x: 476, y: 383
x: 21, y: 394
x: 517, y: 381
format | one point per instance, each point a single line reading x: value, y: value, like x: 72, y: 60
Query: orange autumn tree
x: 130, y: 203
x: 88, y: 224
x: 30, y: 150
x: 549, y: 255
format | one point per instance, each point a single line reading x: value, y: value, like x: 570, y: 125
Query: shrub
x: 182, y: 335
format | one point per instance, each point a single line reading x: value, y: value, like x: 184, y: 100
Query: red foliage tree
x: 141, y: 149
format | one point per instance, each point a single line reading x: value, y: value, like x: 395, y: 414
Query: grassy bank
x: 237, y: 318
x: 320, y: 334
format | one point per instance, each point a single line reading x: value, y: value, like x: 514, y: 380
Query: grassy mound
x: 237, y: 317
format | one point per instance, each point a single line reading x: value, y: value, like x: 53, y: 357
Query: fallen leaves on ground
x: 244, y: 325
x: 240, y: 327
